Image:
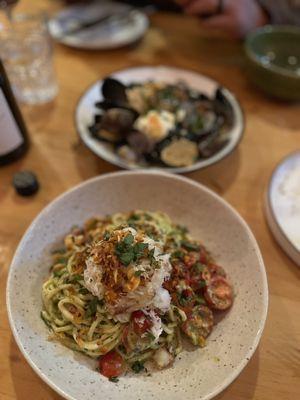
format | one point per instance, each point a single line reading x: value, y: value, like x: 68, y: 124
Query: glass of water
x: 26, y: 50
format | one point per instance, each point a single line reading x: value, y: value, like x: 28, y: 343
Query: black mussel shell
x: 109, y: 136
x: 94, y: 129
x: 208, y: 143
x: 118, y: 120
x: 114, y: 91
x: 153, y: 157
x: 97, y: 118
x: 212, y: 147
x: 195, y: 95
x: 104, y: 135
x: 105, y: 105
x: 223, y: 107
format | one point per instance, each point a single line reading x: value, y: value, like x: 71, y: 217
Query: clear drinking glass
x: 26, y: 50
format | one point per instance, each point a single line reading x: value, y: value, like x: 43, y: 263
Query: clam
x: 180, y: 153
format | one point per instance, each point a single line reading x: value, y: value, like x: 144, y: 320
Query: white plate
x: 198, y: 374
x: 86, y: 110
x: 101, y: 37
x: 282, y: 205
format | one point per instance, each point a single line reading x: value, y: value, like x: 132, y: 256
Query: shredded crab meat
x: 132, y: 287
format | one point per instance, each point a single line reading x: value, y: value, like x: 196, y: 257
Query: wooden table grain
x: 61, y: 161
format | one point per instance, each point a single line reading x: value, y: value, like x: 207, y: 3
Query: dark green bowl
x: 273, y: 60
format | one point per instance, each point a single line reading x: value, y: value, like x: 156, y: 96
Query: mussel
x: 114, y: 91
x: 223, y: 107
x: 118, y: 120
x: 113, y: 125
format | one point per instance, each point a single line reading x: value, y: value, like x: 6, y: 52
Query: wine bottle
x: 13, y: 133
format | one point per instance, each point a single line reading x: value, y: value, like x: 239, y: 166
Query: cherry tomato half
x: 219, y: 293
x: 140, y: 321
x: 111, y: 364
x: 198, y: 325
x: 217, y: 270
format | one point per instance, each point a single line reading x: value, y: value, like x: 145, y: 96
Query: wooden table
x: 61, y: 161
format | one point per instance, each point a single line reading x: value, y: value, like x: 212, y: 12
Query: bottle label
x: 10, y: 135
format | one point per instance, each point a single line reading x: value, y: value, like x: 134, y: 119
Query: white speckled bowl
x: 199, y: 374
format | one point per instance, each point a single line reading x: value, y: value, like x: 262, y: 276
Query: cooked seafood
x: 127, y: 288
x: 161, y: 124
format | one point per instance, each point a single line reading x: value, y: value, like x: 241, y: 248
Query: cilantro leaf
x: 113, y: 379
x: 128, y: 240
x: 178, y: 254
x: 106, y: 235
x: 76, y: 278
x: 198, y: 267
x: 190, y: 246
x: 92, y: 307
x: 137, y: 367
x: 127, y: 257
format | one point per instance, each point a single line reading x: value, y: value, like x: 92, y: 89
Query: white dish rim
x: 265, y: 294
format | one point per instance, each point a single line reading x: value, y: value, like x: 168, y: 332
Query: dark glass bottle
x: 13, y: 133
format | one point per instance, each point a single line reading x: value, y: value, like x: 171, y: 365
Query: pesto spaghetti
x: 126, y: 288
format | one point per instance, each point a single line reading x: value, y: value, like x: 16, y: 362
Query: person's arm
x: 234, y: 17
x: 283, y: 12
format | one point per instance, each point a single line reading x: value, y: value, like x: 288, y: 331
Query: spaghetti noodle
x: 125, y: 288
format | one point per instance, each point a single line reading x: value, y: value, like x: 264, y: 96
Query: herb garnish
x: 190, y: 246
x: 76, y: 278
x: 201, y: 284
x: 92, y: 307
x: 106, y: 235
x: 198, y: 267
x: 83, y: 290
x: 113, y: 379
x: 128, y: 251
x: 200, y: 300
x: 150, y: 335
x: 178, y: 254
x: 61, y: 260
x: 137, y: 367
x: 59, y: 272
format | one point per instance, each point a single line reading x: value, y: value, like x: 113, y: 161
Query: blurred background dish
x: 86, y: 111
x: 282, y: 205
x: 273, y: 60
x: 98, y: 25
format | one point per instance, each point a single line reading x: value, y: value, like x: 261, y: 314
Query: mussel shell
x: 208, y: 143
x: 154, y: 158
x: 212, y: 147
x: 94, y: 129
x: 223, y: 107
x: 105, y: 105
x: 114, y: 91
x: 97, y: 118
x: 118, y: 120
